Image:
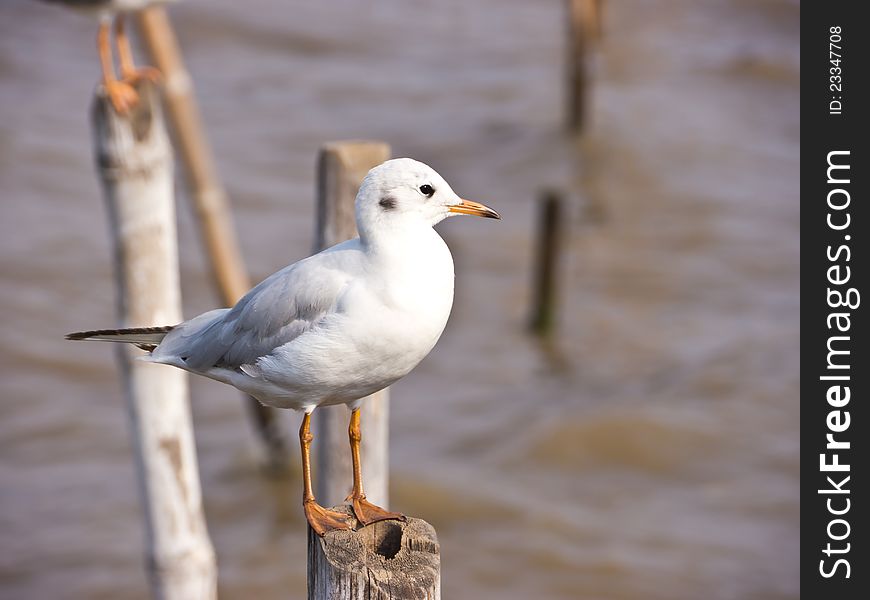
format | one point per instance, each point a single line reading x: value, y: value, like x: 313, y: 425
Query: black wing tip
x: 79, y: 335
x: 84, y: 335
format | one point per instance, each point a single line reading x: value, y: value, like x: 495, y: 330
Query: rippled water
x: 656, y: 457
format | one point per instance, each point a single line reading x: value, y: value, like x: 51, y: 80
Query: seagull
x: 337, y: 326
x: 121, y: 92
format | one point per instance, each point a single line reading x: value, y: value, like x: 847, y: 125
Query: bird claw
x: 122, y: 95
x: 368, y: 513
x: 134, y: 76
x: 323, y: 520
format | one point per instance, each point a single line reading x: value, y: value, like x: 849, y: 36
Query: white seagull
x: 337, y: 326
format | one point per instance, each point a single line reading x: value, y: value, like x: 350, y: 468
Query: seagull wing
x: 275, y: 312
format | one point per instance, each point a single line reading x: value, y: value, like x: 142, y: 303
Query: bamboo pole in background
x: 584, y: 28
x: 546, y: 263
x: 595, y: 19
x: 134, y: 163
x: 576, y: 75
x: 341, y: 167
x: 210, y: 201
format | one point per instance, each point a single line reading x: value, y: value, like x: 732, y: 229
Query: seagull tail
x: 147, y: 338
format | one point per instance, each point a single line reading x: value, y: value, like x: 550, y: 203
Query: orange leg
x: 320, y: 519
x: 129, y: 73
x: 364, y: 510
x: 122, y: 95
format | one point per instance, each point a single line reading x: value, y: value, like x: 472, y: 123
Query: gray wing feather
x: 279, y: 309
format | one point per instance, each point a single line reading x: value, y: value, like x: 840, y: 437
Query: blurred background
x: 650, y: 451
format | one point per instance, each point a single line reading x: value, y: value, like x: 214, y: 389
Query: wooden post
x: 594, y: 17
x: 584, y: 28
x: 341, y: 167
x: 386, y: 560
x: 576, y: 75
x: 209, y: 197
x: 134, y: 162
x: 549, y: 245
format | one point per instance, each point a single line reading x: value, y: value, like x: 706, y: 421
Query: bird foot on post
x: 368, y: 513
x: 323, y: 520
x: 122, y: 95
x: 134, y: 76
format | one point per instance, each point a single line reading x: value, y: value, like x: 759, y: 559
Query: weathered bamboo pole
x: 210, y: 201
x: 575, y: 60
x: 594, y: 11
x: 134, y: 162
x: 392, y: 560
x: 548, y: 248
x: 209, y: 197
x: 341, y: 167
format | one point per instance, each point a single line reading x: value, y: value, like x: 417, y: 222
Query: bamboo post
x: 594, y: 17
x: 134, y: 163
x: 576, y: 75
x: 387, y: 560
x: 341, y: 167
x: 584, y: 27
x: 210, y: 201
x: 548, y: 248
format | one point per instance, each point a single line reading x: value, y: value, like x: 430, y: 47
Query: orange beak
x: 467, y: 207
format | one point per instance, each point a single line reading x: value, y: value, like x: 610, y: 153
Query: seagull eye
x: 427, y: 190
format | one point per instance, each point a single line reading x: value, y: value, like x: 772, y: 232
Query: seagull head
x: 403, y: 191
